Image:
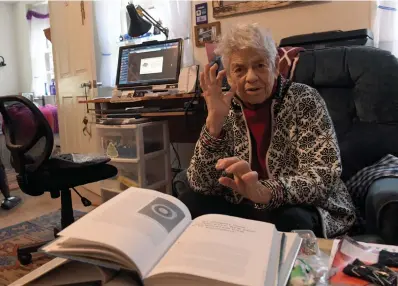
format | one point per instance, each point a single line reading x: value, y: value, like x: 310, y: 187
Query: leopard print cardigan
x: 303, y: 159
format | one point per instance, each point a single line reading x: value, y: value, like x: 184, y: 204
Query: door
x: 72, y: 39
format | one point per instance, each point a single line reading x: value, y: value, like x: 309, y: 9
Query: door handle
x: 97, y: 84
x: 86, y: 84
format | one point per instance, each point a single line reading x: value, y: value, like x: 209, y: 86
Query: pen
x: 282, y: 251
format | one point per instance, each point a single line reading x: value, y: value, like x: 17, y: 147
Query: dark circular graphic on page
x: 164, y: 211
x: 167, y: 214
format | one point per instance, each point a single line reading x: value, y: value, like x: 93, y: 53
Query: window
x: 40, y: 50
x: 111, y: 23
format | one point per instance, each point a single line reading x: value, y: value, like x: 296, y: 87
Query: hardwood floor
x: 32, y: 207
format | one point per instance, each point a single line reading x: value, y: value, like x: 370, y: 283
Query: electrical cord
x: 86, y: 202
x: 190, y: 103
x: 176, y: 171
x: 177, y: 156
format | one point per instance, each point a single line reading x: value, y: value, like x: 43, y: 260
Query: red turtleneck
x: 258, y: 118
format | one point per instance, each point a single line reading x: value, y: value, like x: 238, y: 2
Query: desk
x: 184, y: 127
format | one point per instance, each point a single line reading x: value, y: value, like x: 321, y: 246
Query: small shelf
x: 136, y: 160
x: 125, y: 160
x: 125, y: 126
x: 156, y: 185
x: 161, y: 114
x: 111, y: 190
x: 154, y: 154
x: 143, y: 98
x: 140, y: 153
x: 129, y: 126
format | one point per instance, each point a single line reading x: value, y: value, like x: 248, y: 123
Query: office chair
x: 9, y: 201
x: 30, y: 140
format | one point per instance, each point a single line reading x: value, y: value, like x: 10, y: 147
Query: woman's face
x: 252, y: 75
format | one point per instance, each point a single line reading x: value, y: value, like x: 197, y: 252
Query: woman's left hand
x: 245, y: 181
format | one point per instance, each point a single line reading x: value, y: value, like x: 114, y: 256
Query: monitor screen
x: 151, y: 63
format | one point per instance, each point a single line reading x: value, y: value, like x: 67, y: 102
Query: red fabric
x: 288, y: 58
x: 259, y: 122
x: 50, y: 112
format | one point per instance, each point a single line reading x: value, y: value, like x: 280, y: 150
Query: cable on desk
x: 177, y: 156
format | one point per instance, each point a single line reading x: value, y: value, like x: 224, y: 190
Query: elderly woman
x: 268, y: 150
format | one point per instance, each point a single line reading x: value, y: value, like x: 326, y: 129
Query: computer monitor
x: 153, y: 63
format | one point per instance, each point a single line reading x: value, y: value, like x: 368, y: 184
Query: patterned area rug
x: 37, y: 230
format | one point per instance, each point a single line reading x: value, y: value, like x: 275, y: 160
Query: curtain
x: 39, y: 20
x: 107, y: 31
x: 386, y: 26
x: 176, y: 15
x: 111, y: 23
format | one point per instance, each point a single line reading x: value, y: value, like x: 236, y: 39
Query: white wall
x: 299, y: 19
x: 22, y: 29
x: 9, y: 81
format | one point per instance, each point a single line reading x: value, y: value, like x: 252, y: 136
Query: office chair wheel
x: 56, y: 231
x: 25, y: 258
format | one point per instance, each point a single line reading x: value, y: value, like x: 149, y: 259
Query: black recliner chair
x: 30, y: 140
x: 360, y: 88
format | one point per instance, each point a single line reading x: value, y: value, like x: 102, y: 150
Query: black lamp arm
x: 155, y: 23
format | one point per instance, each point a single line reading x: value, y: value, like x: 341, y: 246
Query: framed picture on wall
x: 231, y: 8
x: 207, y: 33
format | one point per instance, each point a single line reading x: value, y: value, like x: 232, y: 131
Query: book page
x: 38, y: 272
x: 292, y: 245
x: 225, y: 248
x: 143, y: 224
x: 82, y: 273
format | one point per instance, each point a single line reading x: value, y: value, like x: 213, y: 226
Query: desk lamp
x: 141, y: 22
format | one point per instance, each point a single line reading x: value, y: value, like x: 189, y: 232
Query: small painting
x: 207, y: 33
x: 231, y: 8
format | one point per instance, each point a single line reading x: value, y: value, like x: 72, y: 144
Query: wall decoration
x: 207, y: 33
x: 201, y: 13
x: 230, y: 8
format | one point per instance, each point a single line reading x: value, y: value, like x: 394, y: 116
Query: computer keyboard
x: 137, y: 112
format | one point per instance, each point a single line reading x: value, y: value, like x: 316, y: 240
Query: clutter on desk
x: 311, y: 266
x: 357, y: 263
x: 302, y: 274
x: 375, y: 273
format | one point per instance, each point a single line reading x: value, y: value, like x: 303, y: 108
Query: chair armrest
x: 382, y: 209
x: 181, y: 184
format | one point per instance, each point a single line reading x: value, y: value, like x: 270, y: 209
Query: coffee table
x: 325, y: 245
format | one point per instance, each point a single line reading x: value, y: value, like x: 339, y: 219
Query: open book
x: 153, y: 234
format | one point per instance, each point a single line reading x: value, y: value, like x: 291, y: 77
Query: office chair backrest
x: 28, y: 135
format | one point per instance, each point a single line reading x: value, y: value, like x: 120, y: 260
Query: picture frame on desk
x: 207, y: 33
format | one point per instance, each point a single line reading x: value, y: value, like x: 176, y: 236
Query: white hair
x: 243, y: 36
